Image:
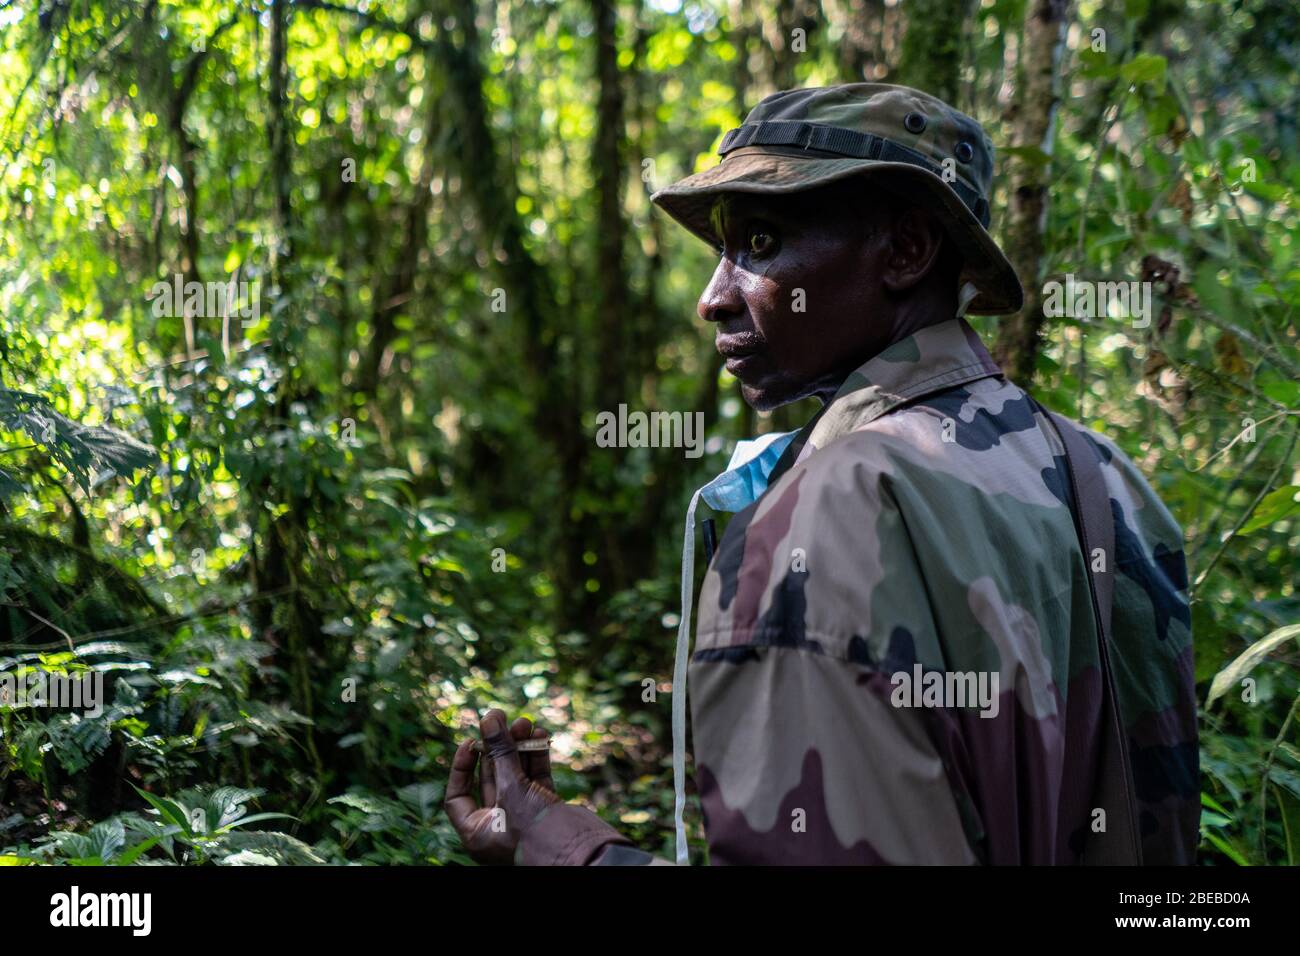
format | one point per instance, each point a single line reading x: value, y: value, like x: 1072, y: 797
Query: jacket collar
x: 930, y: 360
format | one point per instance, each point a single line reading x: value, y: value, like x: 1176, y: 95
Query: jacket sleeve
x: 569, y: 835
x: 813, y: 602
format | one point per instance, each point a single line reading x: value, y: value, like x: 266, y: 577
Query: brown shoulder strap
x: 1121, y: 843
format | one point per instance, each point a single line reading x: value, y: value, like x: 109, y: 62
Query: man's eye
x: 761, y: 242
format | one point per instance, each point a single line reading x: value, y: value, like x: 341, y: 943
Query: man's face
x: 797, y: 293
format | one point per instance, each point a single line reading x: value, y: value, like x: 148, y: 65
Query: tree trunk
x: 285, y: 567
x: 1030, y: 118
x: 933, y: 47
x: 399, y: 287
x: 612, y: 318
x: 784, y: 46
x: 554, y: 388
x: 861, y: 48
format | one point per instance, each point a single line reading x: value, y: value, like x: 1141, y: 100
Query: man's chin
x: 773, y: 391
x: 767, y: 396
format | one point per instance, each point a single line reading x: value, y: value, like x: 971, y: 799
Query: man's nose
x: 721, y: 299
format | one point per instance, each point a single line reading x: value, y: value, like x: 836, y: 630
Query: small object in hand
x: 540, y: 743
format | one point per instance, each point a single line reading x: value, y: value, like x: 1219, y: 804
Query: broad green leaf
x: 1276, y: 505
x: 1227, y: 849
x: 1247, y: 660
x: 168, y: 810
x: 1146, y: 68
x: 131, y: 855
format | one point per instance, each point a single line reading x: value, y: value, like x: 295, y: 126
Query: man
x: 902, y: 652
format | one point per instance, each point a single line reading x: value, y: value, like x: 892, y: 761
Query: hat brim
x: 764, y: 170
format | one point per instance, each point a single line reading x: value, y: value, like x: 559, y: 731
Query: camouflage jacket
x: 916, y: 536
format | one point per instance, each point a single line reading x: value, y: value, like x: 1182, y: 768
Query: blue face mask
x: 747, y: 473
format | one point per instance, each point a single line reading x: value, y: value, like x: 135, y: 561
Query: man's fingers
x: 496, y: 739
x: 487, y: 782
x: 459, y: 801
x: 538, y: 763
x: 521, y: 729
x: 487, y: 769
x: 498, y: 747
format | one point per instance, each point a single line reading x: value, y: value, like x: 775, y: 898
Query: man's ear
x: 915, y: 239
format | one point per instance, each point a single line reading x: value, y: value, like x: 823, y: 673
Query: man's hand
x: 514, y: 789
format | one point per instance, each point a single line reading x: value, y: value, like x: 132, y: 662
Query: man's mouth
x: 739, y: 365
x: 742, y: 352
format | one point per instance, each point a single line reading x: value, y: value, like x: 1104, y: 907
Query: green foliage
x: 198, y: 826
x: 91, y: 454
x: 405, y: 830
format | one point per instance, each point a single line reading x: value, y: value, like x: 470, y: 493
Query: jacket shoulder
x: 806, y: 566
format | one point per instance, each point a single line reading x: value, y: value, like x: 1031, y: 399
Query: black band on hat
x: 846, y: 142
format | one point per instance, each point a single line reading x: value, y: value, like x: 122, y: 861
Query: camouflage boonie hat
x: 801, y: 139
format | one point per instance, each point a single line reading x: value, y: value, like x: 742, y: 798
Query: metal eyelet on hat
x: 914, y: 122
x: 964, y: 152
